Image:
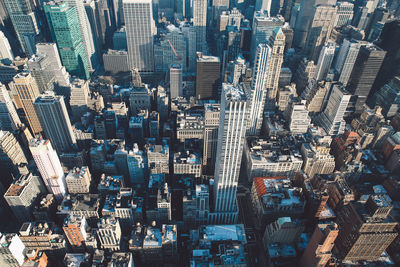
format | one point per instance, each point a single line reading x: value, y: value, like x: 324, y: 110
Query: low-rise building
x: 109, y: 233
x: 271, y: 157
x: 80, y: 204
x: 22, y: 195
x: 189, y: 126
x: 154, y: 246
x: 218, y: 245
x: 275, y: 197
x: 78, y: 180
x: 187, y: 163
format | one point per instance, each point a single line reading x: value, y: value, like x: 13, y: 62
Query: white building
x: 49, y: 166
x: 5, y: 48
x: 109, y: 233
x: 140, y: 28
x: 346, y: 59
x: 267, y: 158
x: 331, y: 119
x: 325, y: 61
x: 345, y: 12
x: 258, y: 88
x: 12, y: 250
x: 187, y: 164
x: 78, y: 180
x: 231, y: 138
x: 175, y: 81
x: 298, y: 118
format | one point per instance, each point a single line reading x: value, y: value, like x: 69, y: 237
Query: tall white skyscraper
x: 49, y: 166
x: 138, y: 16
x: 331, y: 119
x: 231, y: 138
x: 345, y: 60
x: 5, y: 48
x: 54, y: 119
x: 325, y: 61
x: 86, y: 31
x: 9, y: 119
x: 200, y: 23
x: 175, y: 80
x: 258, y: 88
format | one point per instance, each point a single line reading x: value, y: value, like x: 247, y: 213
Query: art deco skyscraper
x: 49, y: 166
x: 231, y: 138
x: 138, y: 16
x: 54, y: 119
x: 25, y: 86
x: 65, y: 29
x: 277, y: 44
x: 200, y: 23
x: 258, y: 88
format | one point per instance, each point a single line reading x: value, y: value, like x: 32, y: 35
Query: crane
x: 173, y: 49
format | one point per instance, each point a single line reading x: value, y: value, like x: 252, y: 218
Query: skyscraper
x: 346, y: 58
x: 211, y: 123
x: 49, y: 166
x: 277, y: 44
x: 86, y: 33
x: 9, y: 119
x: 263, y: 27
x: 304, y: 20
x: 200, y: 23
x: 231, y: 138
x: 345, y: 11
x: 331, y: 119
x: 320, y: 29
x: 258, y: 88
x: 65, y: 29
x: 60, y: 73
x: 24, y: 22
x: 175, y: 81
x: 207, y: 76
x: 39, y: 67
x: 27, y: 90
x: 368, y: 62
x: 325, y: 61
x: 54, y: 119
x: 138, y: 16
x: 5, y: 48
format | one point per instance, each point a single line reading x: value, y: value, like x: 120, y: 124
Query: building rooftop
x: 17, y: 187
x: 187, y: 158
x: 223, y: 232
x: 233, y: 93
x: 78, y: 173
x: 276, y: 193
